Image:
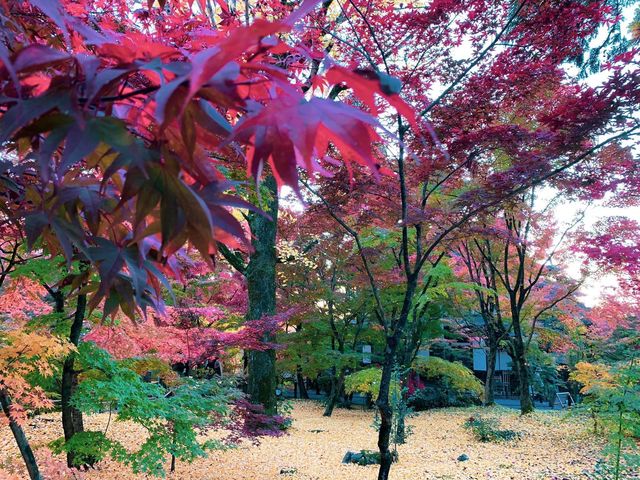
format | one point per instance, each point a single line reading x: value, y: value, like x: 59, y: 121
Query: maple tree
x: 51, y: 278
x: 325, y: 336
x: 612, y: 400
x: 173, y: 416
x: 118, y: 127
x: 503, y: 121
x: 193, y: 332
x: 24, y: 351
x: 512, y: 263
x: 145, y: 104
x: 202, y: 322
x: 127, y: 134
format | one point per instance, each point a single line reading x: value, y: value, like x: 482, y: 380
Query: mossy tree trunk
x: 261, y: 285
x: 519, y: 358
x: 302, y: 387
x: 518, y: 354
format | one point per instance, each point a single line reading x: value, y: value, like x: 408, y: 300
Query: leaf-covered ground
x: 552, y: 446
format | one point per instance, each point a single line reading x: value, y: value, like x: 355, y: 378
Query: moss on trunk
x: 261, y: 285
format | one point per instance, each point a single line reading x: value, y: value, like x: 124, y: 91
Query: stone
x: 366, y: 457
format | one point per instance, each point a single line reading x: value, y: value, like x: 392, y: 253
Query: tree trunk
x: 519, y: 357
x: 173, y: 455
x: 21, y: 439
x: 58, y: 299
x: 337, y: 384
x: 384, y: 407
x: 492, y: 355
x: 401, y: 430
x: 261, y: 286
x: 385, y: 410
x: 71, y: 416
x: 519, y: 366
x: 526, y: 403
x: 302, y: 387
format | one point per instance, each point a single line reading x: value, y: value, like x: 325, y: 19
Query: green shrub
x: 487, y: 430
x: 367, y: 382
x: 172, y: 418
x: 454, y: 374
x: 449, y: 384
x: 612, y: 398
x: 438, y: 395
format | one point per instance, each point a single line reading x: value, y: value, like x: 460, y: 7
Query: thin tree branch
x: 475, y: 62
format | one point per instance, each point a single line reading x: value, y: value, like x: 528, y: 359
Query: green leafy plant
x: 365, y: 381
x: 173, y: 416
x: 87, y: 446
x: 488, y: 430
x: 285, y: 409
x: 448, y: 384
x: 454, y: 374
x: 612, y: 397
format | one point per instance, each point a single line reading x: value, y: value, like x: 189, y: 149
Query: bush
x: 454, y: 374
x: 366, y: 382
x: 487, y: 430
x: 449, y: 384
x: 253, y: 422
x: 154, y: 368
x: 440, y: 396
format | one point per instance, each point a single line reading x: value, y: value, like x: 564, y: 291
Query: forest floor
x: 552, y: 445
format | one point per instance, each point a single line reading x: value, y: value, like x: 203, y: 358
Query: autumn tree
x: 23, y: 350
x: 55, y: 280
x: 320, y: 278
x: 512, y: 263
x: 118, y: 126
x: 201, y: 322
x: 481, y: 145
x: 487, y: 304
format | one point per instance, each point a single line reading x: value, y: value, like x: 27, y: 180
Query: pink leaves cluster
x: 615, y: 310
x: 22, y: 299
x: 189, y: 335
x: 248, y: 421
x: 614, y: 246
x: 133, y: 121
